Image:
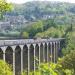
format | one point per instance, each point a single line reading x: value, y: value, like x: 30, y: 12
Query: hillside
x: 42, y: 10
x: 37, y: 18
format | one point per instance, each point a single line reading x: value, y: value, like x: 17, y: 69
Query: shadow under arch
x: 18, y: 60
x: 1, y: 54
x: 36, y: 56
x: 49, y: 52
x: 59, y: 51
x: 25, y: 58
x: 45, y: 52
x: 56, y: 51
x: 52, y: 52
x: 9, y: 55
x: 41, y: 53
x: 31, y: 57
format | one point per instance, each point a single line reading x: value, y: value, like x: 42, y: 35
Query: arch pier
x: 25, y: 54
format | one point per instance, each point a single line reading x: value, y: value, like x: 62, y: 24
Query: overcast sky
x: 23, y: 1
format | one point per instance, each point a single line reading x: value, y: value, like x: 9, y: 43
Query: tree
x: 50, y: 32
x: 35, y: 28
x: 69, y: 43
x: 4, y: 7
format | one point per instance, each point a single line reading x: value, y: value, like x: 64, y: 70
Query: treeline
x: 36, y: 10
x: 44, y: 29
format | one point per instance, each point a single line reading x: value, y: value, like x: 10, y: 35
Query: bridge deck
x: 27, y: 41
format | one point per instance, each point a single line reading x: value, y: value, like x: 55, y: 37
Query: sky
x: 24, y: 1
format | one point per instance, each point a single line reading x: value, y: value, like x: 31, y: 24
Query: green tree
x: 69, y: 43
x: 50, y: 32
x: 35, y: 28
x: 49, y: 23
x: 4, y: 7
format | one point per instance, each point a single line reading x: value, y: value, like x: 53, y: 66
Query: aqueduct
x: 23, y: 54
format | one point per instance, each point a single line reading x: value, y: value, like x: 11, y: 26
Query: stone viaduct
x: 25, y: 54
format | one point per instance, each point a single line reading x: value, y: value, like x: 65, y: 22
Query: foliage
x: 10, y: 34
x: 52, y: 14
x: 25, y: 35
x: 68, y: 61
x: 5, y: 69
x: 45, y: 29
x: 55, y: 69
x: 70, y: 43
x: 48, y: 23
x: 51, y: 69
x: 34, y: 28
x: 37, y: 10
x: 4, y: 7
x: 51, y: 32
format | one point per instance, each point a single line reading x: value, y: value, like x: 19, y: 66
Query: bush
x: 68, y: 61
x: 5, y: 68
x: 25, y: 35
x: 51, y: 69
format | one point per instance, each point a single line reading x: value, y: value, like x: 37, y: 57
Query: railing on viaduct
x: 22, y: 53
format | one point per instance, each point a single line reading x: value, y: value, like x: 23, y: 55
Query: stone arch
x: 25, y: 58
x: 31, y: 57
x: 36, y: 56
x: 41, y: 52
x: 18, y: 60
x: 9, y: 55
x: 1, y: 54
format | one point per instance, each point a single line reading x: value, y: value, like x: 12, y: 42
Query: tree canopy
x: 4, y: 7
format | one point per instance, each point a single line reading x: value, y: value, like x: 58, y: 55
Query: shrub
x: 5, y: 68
x: 68, y: 61
x: 25, y: 35
x: 51, y: 69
